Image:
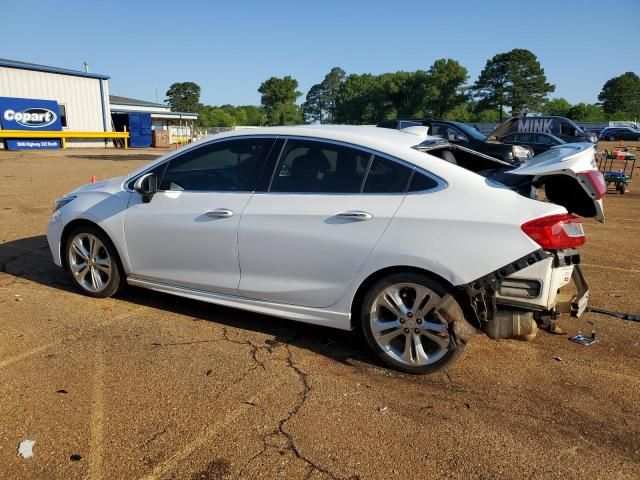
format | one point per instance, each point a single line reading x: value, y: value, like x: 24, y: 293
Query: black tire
x: 623, y: 189
x: 455, y: 346
x: 106, y: 250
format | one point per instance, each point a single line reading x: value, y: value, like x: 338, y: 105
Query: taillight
x: 556, y: 232
x: 595, y: 178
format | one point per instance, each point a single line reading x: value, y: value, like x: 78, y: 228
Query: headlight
x: 522, y: 152
x: 61, y: 202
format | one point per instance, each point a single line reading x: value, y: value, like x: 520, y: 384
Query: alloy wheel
x: 90, y: 263
x: 406, y: 325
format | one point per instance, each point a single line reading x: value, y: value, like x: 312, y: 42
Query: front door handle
x: 357, y: 215
x: 219, y: 213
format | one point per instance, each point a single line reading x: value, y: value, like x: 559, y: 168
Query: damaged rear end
x: 513, y: 300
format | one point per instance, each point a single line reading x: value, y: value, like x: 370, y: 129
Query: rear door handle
x: 357, y: 215
x: 219, y: 213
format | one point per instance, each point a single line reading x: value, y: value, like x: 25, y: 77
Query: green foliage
x: 370, y: 99
x: 314, y: 108
x: 556, y: 106
x: 278, y: 100
x: 444, y: 83
x: 184, y: 97
x: 586, y: 112
x: 620, y: 96
x: 514, y: 79
x: 229, y: 116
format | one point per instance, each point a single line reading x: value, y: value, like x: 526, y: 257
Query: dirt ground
x: 149, y: 386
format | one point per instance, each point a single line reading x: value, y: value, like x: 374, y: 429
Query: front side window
x: 223, y: 167
x: 317, y: 167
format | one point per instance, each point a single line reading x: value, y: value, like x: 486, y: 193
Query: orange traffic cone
x: 93, y: 179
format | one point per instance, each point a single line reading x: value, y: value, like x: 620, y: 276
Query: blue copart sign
x: 32, y: 115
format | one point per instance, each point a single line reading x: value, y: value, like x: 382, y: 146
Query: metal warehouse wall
x: 81, y: 96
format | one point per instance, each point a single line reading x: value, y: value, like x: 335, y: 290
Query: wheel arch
x: 358, y: 298
x: 78, y: 222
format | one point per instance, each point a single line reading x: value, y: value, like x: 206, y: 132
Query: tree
x: 320, y: 104
x: 330, y: 90
x: 445, y: 82
x: 586, y: 112
x: 313, y: 109
x: 514, y: 79
x: 556, y: 106
x: 278, y: 100
x: 184, y: 97
x: 621, y: 95
x: 357, y: 102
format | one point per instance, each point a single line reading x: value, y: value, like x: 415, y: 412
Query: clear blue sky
x: 230, y: 47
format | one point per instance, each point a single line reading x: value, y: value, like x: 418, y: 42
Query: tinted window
x: 223, y: 166
x: 544, y: 139
x: 387, y: 176
x: 317, y: 167
x: 448, y: 133
x: 525, y: 137
x: 420, y: 182
x: 568, y: 130
x: 509, y: 138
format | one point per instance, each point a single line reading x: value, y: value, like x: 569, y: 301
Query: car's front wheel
x: 406, y: 321
x: 93, y: 262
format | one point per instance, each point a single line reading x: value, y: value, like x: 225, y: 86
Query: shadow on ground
x: 30, y: 259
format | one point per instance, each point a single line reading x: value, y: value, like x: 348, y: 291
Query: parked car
x: 620, y: 133
x: 538, y: 142
x: 561, y: 127
x: 400, y: 123
x: 346, y: 227
x: 461, y: 134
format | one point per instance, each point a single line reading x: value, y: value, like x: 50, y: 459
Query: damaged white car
x: 415, y: 241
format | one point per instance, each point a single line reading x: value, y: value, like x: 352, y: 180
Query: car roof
x: 366, y: 136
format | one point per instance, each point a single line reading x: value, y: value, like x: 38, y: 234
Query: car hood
x: 109, y: 185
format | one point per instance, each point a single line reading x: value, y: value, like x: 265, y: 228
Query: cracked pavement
x: 149, y: 386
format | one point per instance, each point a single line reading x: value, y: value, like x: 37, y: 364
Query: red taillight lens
x: 595, y: 178
x: 556, y: 232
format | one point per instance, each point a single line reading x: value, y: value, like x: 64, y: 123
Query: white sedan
x: 410, y: 239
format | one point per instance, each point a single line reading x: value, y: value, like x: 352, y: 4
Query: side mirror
x: 146, y: 186
x: 459, y: 138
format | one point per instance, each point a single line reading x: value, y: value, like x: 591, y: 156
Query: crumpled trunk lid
x: 566, y: 172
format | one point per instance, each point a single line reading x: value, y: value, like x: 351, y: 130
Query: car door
x: 303, y: 240
x: 187, y: 234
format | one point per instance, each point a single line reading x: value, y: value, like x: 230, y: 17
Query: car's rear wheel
x: 93, y: 262
x: 403, y: 322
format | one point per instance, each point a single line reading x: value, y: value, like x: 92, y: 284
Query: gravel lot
x: 152, y: 386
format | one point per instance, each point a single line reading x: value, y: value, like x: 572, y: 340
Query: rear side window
x: 387, y: 176
x: 222, y: 166
x: 421, y: 182
x: 317, y: 167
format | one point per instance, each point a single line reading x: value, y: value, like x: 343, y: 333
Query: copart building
x: 36, y: 101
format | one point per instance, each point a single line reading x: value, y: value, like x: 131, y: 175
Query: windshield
x: 470, y: 131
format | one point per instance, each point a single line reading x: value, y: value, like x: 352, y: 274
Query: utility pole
x: 86, y: 66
